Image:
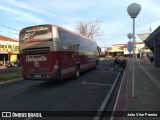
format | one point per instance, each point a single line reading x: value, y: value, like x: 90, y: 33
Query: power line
x: 8, y: 27
x: 9, y: 32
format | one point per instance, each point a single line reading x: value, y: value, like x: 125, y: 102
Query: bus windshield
x: 35, y: 33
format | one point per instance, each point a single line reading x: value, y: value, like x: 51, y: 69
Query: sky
x: 115, y: 21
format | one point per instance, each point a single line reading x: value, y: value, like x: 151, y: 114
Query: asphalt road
x: 85, y: 94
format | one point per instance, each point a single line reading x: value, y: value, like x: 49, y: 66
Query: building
x: 146, y: 52
x: 117, y: 49
x: 143, y: 36
x: 9, y: 50
x: 153, y: 43
x: 122, y: 50
x: 138, y: 50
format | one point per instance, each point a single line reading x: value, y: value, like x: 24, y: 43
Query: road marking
x: 95, y: 84
x: 111, y: 69
x: 102, y: 71
x: 101, y: 59
x: 106, y: 100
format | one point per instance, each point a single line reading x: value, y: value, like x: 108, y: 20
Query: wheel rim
x: 77, y: 72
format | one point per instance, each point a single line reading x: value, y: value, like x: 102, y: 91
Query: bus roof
x: 58, y: 28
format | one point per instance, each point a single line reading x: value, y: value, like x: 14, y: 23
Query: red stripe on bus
x: 32, y: 41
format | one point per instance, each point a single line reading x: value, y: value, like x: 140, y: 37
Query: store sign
x: 9, y: 47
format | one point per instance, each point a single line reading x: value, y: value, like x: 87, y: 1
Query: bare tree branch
x: 89, y: 29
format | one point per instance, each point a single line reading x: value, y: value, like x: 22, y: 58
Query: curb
x: 10, y: 81
x: 120, y: 100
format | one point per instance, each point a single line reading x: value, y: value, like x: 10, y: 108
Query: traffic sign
x: 130, y: 46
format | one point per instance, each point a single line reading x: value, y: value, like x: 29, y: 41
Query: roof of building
x: 3, y: 38
x: 139, y: 42
x: 143, y: 36
x: 153, y: 39
x: 126, y: 44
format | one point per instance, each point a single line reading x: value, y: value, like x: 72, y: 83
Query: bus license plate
x: 37, y: 76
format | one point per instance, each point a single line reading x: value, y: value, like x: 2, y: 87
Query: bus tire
x: 77, y: 72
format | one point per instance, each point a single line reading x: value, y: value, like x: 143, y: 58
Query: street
x: 79, y: 60
x: 84, y: 94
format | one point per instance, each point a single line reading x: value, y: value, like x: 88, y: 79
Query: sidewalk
x: 3, y: 67
x: 146, y: 100
x: 146, y: 91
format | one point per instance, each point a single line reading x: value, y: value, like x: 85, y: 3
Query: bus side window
x: 63, y: 38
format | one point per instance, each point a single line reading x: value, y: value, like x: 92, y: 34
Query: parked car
x: 13, y: 64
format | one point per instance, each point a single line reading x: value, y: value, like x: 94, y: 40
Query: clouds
x: 35, y: 6
x: 116, y: 22
x: 151, y: 7
x: 20, y: 15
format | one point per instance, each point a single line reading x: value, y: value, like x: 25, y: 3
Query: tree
x: 89, y: 29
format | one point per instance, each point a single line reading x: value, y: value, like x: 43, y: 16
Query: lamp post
x: 133, y: 10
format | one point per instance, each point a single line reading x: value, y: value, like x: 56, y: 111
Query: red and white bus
x: 51, y: 52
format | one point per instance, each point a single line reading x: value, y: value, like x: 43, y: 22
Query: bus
x: 50, y: 52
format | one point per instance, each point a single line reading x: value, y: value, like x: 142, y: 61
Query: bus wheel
x: 77, y: 72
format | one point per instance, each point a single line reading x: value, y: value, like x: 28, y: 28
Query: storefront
x: 9, y: 50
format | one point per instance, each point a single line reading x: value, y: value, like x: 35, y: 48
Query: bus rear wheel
x: 77, y: 72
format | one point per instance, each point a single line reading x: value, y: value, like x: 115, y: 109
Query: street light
x: 133, y: 10
x: 130, y: 35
